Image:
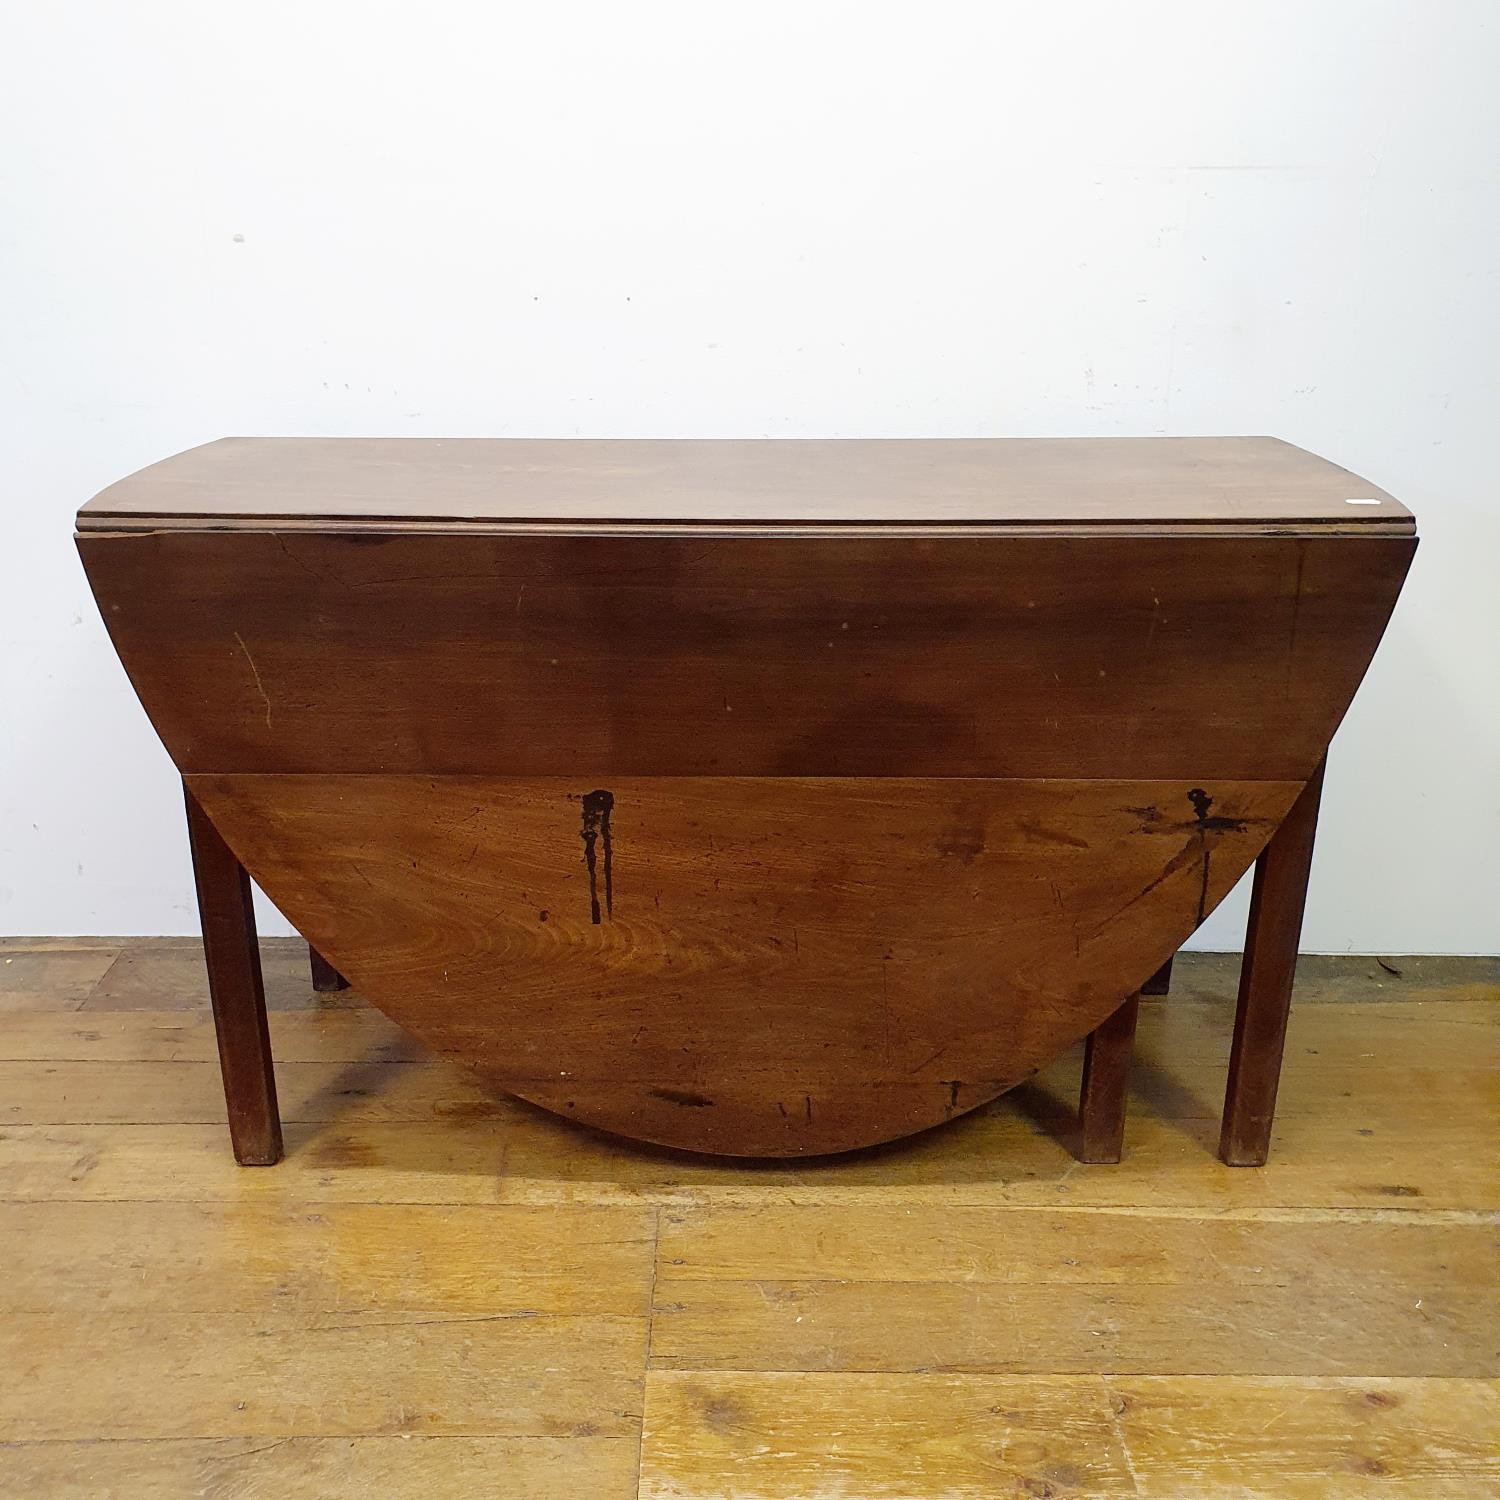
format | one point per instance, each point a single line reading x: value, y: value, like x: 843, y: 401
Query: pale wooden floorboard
x: 820, y: 1288
x: 469, y: 1260
x: 56, y: 979
x: 404, y: 1467
x: 168, y: 974
x: 1423, y: 1326
x: 976, y: 1437
x: 74, y: 1376
x: 445, y: 1291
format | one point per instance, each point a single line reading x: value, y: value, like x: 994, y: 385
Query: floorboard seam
x: 640, y: 1452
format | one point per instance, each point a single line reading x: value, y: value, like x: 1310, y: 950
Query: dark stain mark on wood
x: 1154, y: 821
x: 807, y: 1107
x: 953, y: 1087
x: 344, y: 1151
x: 1219, y: 823
x: 597, y: 806
x: 1036, y: 1489
x: 1201, y: 803
x: 1205, y: 824
x: 684, y: 1100
x: 721, y: 1414
x: 1198, y: 846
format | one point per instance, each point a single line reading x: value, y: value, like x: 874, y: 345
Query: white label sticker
x: 1363, y: 500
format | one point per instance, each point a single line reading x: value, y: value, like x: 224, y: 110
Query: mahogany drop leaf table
x: 763, y: 798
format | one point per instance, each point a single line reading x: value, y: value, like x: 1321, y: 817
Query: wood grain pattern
x: 984, y: 1244
x: 155, y: 974
x: 1387, y: 1108
x: 1143, y: 657
x: 1237, y: 481
x: 161, y: 1374
x: 400, y: 1467
x: 757, y: 967
x: 966, y: 1323
x: 1000, y: 1154
x: 1458, y: 1039
x: 368, y: 1259
x: 880, y: 1438
x: 1311, y: 1439
x: 356, y: 1323
x: 60, y: 980
x: 1071, y: 619
x: 352, y: 1094
x: 974, y: 1437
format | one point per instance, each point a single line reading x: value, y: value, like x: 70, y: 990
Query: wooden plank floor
x: 445, y: 1292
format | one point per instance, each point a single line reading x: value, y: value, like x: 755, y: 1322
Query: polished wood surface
x: 443, y: 1291
x: 927, y: 754
x: 1238, y: 481
x: 771, y: 966
x: 603, y: 656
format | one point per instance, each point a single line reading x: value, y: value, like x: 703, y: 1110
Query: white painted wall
x: 781, y: 219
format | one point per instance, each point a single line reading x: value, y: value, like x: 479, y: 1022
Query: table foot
x: 234, y: 986
x: 1106, y: 1070
x: 1160, y: 983
x: 326, y: 980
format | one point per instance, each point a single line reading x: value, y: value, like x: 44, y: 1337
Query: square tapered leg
x: 1160, y: 983
x: 1106, y: 1072
x: 1276, y: 906
x: 326, y: 980
x: 234, y: 986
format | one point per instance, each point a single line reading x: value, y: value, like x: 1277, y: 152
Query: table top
x: 1254, y: 484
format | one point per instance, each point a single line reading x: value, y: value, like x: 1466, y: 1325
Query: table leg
x: 1160, y: 983
x: 234, y: 986
x: 325, y: 978
x: 1270, y: 963
x: 1106, y: 1069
